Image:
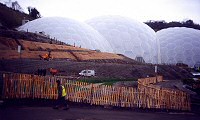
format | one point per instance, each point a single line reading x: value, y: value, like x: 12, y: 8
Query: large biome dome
x: 179, y: 44
x: 69, y: 31
x: 127, y: 36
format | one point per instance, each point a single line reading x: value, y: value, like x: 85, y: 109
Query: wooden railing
x: 18, y: 86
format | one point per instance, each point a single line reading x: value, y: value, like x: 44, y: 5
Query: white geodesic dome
x: 127, y: 36
x: 69, y: 31
x: 179, y: 44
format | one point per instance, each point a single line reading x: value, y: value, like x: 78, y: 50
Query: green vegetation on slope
x: 106, y: 81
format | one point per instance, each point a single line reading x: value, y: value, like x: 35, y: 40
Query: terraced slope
x: 70, y: 60
x: 32, y: 50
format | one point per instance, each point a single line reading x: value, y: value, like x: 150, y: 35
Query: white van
x: 87, y: 73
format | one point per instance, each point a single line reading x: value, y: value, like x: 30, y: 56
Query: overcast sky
x: 142, y: 10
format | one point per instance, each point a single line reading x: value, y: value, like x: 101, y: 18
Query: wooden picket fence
x: 150, y: 80
x: 28, y: 86
x: 162, y: 98
x: 18, y: 86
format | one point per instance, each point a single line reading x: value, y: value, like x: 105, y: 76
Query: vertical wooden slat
x: 147, y: 96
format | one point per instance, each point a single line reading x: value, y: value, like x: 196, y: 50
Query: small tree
x: 33, y: 12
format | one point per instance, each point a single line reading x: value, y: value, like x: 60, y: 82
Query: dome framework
x: 69, y: 31
x: 127, y: 36
x: 179, y: 44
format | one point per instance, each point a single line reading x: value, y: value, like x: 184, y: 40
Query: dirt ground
x: 102, y: 70
x: 88, y: 113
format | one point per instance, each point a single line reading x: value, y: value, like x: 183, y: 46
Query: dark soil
x: 103, y: 70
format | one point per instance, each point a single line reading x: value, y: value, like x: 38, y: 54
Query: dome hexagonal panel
x: 127, y: 36
x: 179, y: 44
x: 69, y: 31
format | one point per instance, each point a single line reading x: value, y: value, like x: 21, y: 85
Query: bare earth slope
x: 70, y: 60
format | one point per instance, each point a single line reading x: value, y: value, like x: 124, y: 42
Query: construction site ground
x: 69, y: 61
x: 104, y: 69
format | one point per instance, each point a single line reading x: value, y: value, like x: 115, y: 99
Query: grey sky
x: 142, y: 10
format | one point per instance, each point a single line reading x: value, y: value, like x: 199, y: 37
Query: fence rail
x: 146, y: 96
